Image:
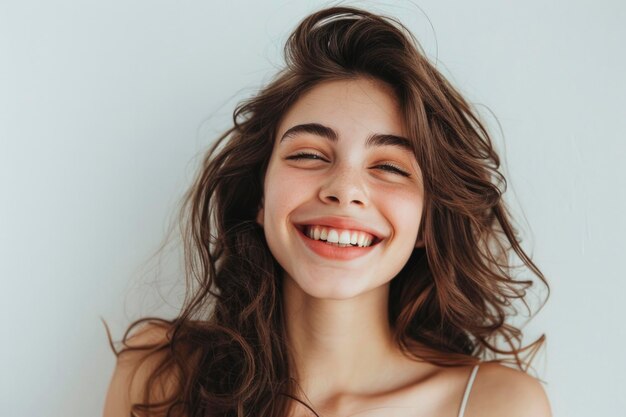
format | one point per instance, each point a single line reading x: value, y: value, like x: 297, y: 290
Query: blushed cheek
x: 288, y: 188
x: 407, y: 212
x: 282, y: 197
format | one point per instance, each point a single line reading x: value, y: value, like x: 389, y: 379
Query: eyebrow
x: 376, y: 139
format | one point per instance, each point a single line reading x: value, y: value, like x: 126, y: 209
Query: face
x: 342, y: 171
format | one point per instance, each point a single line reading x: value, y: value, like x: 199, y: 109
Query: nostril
x: 333, y: 199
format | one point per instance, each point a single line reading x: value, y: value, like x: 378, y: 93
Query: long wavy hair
x: 226, y: 353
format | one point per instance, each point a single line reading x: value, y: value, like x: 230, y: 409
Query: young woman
x: 347, y: 248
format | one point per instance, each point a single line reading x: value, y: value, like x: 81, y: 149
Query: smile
x: 335, y: 243
x: 341, y: 237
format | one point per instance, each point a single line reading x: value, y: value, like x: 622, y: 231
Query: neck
x: 339, y: 346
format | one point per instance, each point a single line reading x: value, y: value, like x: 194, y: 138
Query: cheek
x: 283, y: 192
x: 404, y: 210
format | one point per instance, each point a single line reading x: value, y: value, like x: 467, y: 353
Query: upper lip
x: 338, y: 222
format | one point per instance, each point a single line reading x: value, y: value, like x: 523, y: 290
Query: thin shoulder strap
x: 468, y: 389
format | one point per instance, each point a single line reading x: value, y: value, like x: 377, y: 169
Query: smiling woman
x: 351, y: 246
x: 355, y: 179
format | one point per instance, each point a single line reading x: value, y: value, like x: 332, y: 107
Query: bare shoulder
x: 133, y: 368
x: 502, y: 391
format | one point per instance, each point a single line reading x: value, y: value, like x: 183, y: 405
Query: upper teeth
x: 340, y: 236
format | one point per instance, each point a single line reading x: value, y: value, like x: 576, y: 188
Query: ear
x: 260, y: 214
x: 419, y: 243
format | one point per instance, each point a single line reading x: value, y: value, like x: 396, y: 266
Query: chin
x: 331, y: 288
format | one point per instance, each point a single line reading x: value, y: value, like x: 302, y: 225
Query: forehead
x: 354, y: 108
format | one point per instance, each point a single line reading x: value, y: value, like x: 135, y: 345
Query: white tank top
x: 468, y: 389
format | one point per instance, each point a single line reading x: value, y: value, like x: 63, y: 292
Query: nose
x: 344, y: 187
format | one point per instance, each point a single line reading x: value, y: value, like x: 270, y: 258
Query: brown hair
x: 450, y: 303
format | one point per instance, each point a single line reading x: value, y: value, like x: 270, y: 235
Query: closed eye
x: 305, y: 155
x: 395, y: 169
x: 383, y: 167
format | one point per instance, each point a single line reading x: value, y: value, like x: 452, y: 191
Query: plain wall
x: 106, y: 105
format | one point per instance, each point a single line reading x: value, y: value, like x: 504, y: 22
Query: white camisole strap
x: 468, y: 389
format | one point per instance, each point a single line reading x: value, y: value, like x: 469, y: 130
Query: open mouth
x: 340, y: 238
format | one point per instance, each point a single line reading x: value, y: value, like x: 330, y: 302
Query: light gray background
x: 105, y: 105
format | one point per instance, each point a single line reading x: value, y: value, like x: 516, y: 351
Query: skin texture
x: 349, y: 182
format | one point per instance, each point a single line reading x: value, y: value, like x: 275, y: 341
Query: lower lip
x: 334, y: 252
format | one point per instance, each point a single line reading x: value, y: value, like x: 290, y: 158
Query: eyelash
x: 388, y: 167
